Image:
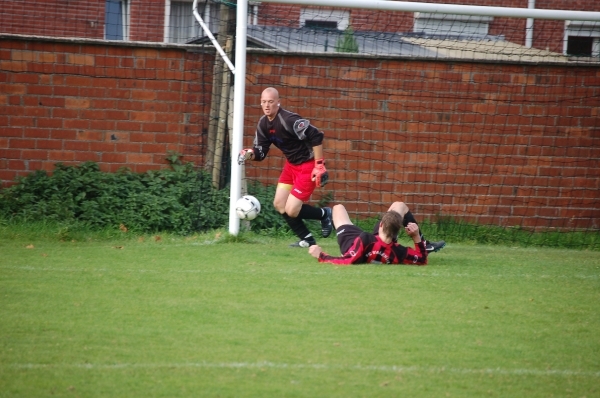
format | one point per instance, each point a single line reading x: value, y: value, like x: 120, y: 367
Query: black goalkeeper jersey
x: 369, y: 248
x: 289, y: 132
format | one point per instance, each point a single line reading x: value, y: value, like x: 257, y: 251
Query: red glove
x: 244, y: 155
x: 319, y: 174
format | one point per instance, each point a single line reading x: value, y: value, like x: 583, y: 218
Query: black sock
x: 408, y: 217
x: 308, y: 212
x: 297, y: 226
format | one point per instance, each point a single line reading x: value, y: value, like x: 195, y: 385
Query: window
x: 450, y: 24
x: 116, y: 20
x: 580, y: 46
x: 320, y: 24
x: 324, y: 19
x: 582, y: 39
x: 183, y: 26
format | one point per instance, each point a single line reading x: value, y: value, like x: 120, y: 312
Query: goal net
x: 483, y: 120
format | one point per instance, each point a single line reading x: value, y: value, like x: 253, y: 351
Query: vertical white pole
x: 529, y: 26
x: 238, y: 112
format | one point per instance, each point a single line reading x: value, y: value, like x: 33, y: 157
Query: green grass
x: 108, y: 316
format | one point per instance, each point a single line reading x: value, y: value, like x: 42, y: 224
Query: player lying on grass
x: 380, y: 247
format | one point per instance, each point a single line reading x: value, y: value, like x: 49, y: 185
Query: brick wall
x: 147, y: 20
x: 505, y: 144
x: 80, y: 19
x: 116, y: 105
x: 57, y: 18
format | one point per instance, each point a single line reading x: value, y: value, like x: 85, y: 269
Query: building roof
x: 326, y: 40
x: 323, y: 41
x: 486, y: 50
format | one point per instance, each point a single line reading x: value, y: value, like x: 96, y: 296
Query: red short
x: 299, y: 177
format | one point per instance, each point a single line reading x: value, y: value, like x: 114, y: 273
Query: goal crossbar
x: 389, y: 5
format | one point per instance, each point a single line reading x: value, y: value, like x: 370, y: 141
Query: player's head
x: 390, y: 224
x: 269, y: 102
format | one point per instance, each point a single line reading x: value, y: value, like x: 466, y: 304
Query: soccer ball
x: 247, y: 207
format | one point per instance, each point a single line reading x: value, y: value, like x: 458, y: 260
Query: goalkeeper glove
x: 244, y: 155
x: 319, y: 174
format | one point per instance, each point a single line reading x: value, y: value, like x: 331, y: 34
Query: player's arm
x: 418, y: 254
x: 352, y: 256
x: 260, y: 148
x: 318, y: 151
x: 307, y: 132
x: 346, y: 259
x: 319, y: 174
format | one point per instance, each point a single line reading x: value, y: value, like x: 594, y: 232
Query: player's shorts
x: 346, y: 234
x: 299, y: 178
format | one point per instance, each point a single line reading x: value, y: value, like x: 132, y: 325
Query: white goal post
x: 389, y: 5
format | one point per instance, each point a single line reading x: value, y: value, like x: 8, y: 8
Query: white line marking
x: 254, y: 270
x: 325, y: 367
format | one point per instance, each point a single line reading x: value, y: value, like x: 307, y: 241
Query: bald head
x: 269, y: 101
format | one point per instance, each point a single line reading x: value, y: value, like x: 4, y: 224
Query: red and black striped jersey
x: 289, y: 132
x: 369, y: 248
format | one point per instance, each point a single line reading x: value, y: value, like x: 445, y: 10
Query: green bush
x: 180, y: 200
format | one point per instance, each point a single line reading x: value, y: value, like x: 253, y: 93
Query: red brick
x: 76, y: 124
x: 86, y: 156
x: 12, y: 132
x: 36, y: 133
x: 10, y: 153
x: 63, y: 134
x: 90, y: 136
x: 114, y: 158
x: 101, y: 147
x: 65, y: 114
x: 34, y: 154
x: 154, y: 148
x: 76, y: 145
x: 22, y: 143
x: 142, y: 137
x: 136, y: 158
x: 77, y: 103
x: 61, y: 156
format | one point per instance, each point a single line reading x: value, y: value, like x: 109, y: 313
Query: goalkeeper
x: 380, y: 247
x: 304, y: 168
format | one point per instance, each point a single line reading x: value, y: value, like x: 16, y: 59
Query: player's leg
x: 280, y: 202
x: 399, y: 207
x: 408, y: 217
x: 282, y: 197
x: 340, y: 216
x: 282, y: 192
x: 303, y: 182
x: 346, y: 231
x: 302, y: 190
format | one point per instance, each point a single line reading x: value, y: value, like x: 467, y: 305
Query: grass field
x: 194, y: 317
